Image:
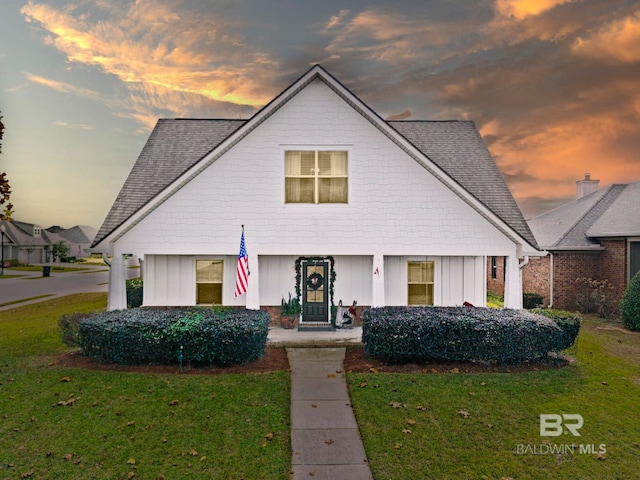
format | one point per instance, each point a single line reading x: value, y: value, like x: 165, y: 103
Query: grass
x: 451, y: 426
x: 22, y: 300
x: 56, y: 268
x: 494, y: 300
x: 70, y: 423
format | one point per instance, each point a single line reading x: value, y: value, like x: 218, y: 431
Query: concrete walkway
x: 325, y: 439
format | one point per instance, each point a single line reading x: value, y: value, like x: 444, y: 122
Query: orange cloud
x: 388, y: 37
x: 520, y: 9
x: 619, y: 40
x: 150, y: 46
x: 63, y: 87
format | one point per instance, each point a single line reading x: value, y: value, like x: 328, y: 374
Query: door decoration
x: 332, y: 277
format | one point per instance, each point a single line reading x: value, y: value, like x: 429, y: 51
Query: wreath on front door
x: 315, y: 281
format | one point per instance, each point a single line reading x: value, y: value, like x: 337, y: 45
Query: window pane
x: 292, y: 163
x: 332, y: 163
x: 421, y: 294
x: 209, y: 271
x: 332, y: 190
x: 300, y: 163
x: 209, y: 294
x: 299, y: 190
x: 417, y: 294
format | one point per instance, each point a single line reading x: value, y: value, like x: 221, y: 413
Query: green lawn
x: 58, y: 422
x: 72, y: 423
x: 56, y: 268
x: 454, y: 426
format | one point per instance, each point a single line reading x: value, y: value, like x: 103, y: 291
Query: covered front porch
x: 318, y: 281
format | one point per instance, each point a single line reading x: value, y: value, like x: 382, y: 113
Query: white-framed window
x: 209, y: 282
x: 316, y: 176
x: 420, y: 282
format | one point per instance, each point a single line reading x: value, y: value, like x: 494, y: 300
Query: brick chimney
x: 587, y: 186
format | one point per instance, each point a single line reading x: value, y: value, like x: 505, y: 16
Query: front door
x: 315, y: 302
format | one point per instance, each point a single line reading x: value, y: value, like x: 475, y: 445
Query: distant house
x: 79, y: 238
x: 335, y: 201
x: 596, y: 236
x: 29, y: 243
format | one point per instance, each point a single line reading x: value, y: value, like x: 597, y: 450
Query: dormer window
x: 36, y: 231
x: 313, y: 176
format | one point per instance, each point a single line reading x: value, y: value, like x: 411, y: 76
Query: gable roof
x: 177, y: 150
x: 458, y: 148
x: 611, y: 211
x: 622, y: 218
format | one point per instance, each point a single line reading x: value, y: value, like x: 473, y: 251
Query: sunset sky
x: 553, y: 85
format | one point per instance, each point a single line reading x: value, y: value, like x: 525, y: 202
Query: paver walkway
x: 325, y: 439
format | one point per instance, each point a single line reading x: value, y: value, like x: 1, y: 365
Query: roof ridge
x: 605, y: 201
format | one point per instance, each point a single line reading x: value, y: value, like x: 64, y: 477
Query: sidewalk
x: 325, y: 439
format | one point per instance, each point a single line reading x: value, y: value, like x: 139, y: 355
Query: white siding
x: 456, y: 280
x: 395, y: 206
x: 396, y: 209
x: 170, y: 280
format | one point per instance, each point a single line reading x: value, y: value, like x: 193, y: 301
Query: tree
x: 60, y: 250
x: 5, y: 190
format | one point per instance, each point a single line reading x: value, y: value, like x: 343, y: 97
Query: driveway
x: 33, y: 284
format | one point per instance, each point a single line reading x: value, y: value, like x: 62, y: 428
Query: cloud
x: 63, y: 87
x: 400, y: 116
x: 82, y: 126
x: 617, y: 40
x: 156, y: 51
x: 336, y: 21
x: 389, y: 37
x: 520, y: 9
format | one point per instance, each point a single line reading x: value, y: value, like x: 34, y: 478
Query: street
x: 33, y: 284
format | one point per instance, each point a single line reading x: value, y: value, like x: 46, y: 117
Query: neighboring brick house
x: 333, y: 200
x: 597, y: 236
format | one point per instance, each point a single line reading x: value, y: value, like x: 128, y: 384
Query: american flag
x: 243, y: 268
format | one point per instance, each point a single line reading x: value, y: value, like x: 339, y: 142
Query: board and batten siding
x: 170, y: 280
x: 456, y: 280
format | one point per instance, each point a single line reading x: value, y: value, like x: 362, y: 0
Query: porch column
x: 253, y: 288
x: 513, y: 283
x: 377, y: 292
x: 117, y: 299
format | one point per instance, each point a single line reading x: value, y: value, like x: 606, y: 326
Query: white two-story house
x: 334, y: 200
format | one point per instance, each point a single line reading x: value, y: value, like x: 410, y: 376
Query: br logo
x: 553, y: 425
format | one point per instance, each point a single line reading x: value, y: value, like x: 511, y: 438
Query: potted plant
x: 290, y: 311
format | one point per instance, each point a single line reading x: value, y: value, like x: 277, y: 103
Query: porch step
x: 316, y: 327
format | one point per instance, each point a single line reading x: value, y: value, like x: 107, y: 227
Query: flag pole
x: 248, y: 270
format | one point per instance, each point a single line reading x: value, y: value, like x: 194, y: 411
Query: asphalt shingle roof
x: 611, y: 211
x: 622, y: 218
x: 175, y: 145
x: 458, y: 148
x: 172, y: 148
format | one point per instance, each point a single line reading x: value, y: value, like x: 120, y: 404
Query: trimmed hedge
x: 568, y: 322
x: 415, y: 334
x: 134, y: 292
x: 630, y: 304
x: 175, y: 335
x: 68, y: 326
x: 531, y: 300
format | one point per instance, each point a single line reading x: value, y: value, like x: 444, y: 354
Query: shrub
x: 630, y: 304
x: 531, y: 300
x: 568, y: 322
x: 175, y: 335
x: 406, y: 334
x: 68, y: 325
x: 594, y: 296
x: 134, y: 293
